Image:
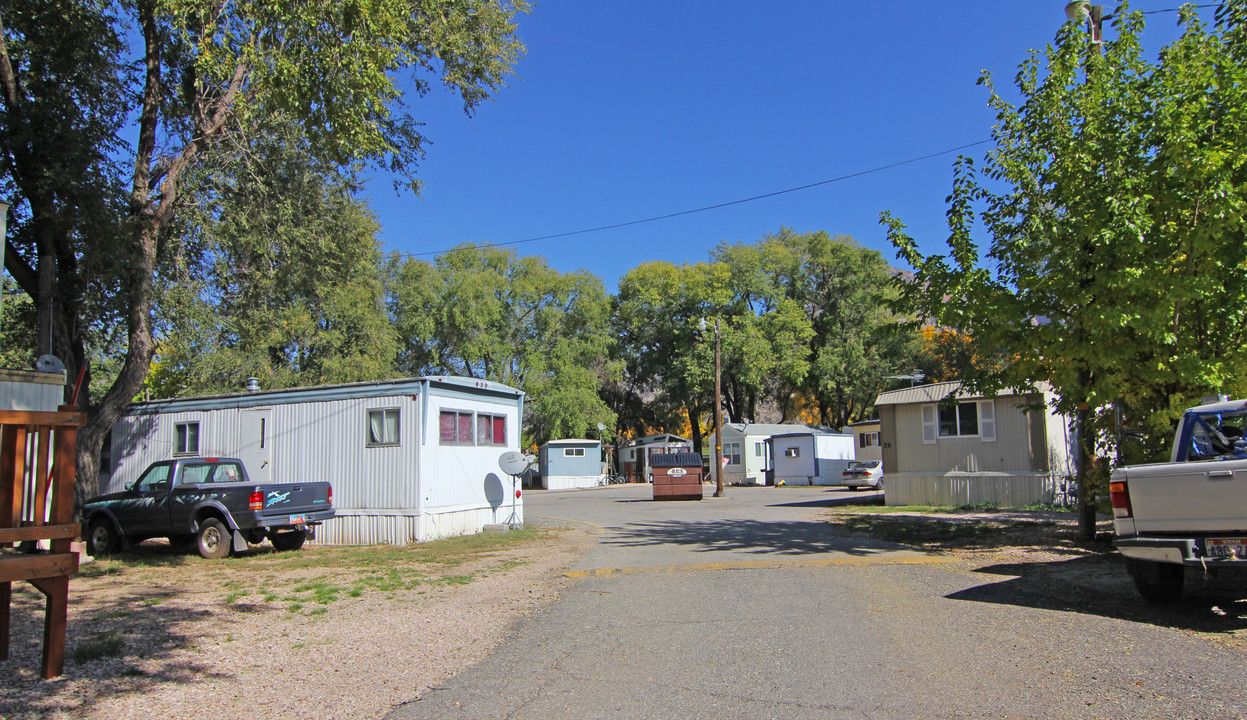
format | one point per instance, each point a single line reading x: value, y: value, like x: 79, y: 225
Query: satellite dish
x: 513, y: 463
x: 601, y: 427
x: 494, y: 492
x: 49, y: 364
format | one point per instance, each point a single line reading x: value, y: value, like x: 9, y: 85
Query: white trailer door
x: 256, y: 444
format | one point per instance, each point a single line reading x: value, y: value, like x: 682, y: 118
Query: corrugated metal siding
x: 973, y: 489
x: 569, y: 482
x: 329, y: 441
x: 21, y: 394
x: 369, y: 530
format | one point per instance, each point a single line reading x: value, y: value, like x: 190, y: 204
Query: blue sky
x: 623, y: 111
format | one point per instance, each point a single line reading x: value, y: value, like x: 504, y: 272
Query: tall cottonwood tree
x: 276, y: 273
x: 490, y: 313
x: 91, y: 209
x: 1114, y: 202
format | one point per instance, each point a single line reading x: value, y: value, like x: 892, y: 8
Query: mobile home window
x: 959, y: 420
x: 187, y: 438
x: 731, y: 451
x: 383, y: 426
x: 455, y: 427
x: 491, y: 430
x: 757, y: 449
x: 573, y: 452
x: 792, y: 452
x: 868, y: 439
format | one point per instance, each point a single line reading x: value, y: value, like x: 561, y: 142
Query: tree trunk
x: 1086, y: 494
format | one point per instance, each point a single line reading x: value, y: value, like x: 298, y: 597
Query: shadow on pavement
x: 753, y: 536
x: 1099, y: 585
x: 838, y: 500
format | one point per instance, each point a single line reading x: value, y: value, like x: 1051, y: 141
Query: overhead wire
x: 753, y: 198
x: 717, y: 206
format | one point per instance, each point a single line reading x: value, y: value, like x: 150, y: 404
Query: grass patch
x: 104, y: 644
x: 313, y: 579
x: 918, y: 531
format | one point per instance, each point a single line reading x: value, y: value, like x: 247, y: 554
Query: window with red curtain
x: 465, y: 428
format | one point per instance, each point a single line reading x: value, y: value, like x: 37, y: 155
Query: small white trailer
x: 811, y: 458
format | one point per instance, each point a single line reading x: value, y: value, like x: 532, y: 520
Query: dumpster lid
x: 684, y: 459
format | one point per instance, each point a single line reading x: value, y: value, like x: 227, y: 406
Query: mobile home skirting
x: 363, y: 528
x: 955, y: 489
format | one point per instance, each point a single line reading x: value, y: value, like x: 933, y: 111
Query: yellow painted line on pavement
x: 773, y: 563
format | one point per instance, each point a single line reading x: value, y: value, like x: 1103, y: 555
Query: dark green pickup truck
x: 208, y: 504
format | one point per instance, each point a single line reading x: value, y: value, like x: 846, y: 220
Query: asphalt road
x: 747, y: 607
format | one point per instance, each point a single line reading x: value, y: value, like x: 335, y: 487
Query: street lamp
x: 1093, y: 15
x: 718, y: 412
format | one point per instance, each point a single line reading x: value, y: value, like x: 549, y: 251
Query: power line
x: 1168, y: 10
x: 717, y: 206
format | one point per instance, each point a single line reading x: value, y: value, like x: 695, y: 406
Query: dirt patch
x: 322, y: 633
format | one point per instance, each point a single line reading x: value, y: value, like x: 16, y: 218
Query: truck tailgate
x: 295, y: 498
x: 1188, y: 497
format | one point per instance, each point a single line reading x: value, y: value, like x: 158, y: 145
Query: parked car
x: 863, y: 473
x: 1190, y: 511
x: 209, y: 504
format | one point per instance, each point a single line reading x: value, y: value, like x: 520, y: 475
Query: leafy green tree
x: 669, y: 366
x: 488, y: 313
x: 279, y: 277
x: 1114, y: 201
x: 845, y: 292
x: 92, y: 211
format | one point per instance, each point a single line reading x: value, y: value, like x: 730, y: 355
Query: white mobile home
x: 946, y: 446
x: 746, y: 450
x: 813, y: 457
x: 410, y: 460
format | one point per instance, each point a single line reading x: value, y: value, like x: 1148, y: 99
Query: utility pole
x: 718, y: 418
x: 718, y: 411
x: 1094, y: 17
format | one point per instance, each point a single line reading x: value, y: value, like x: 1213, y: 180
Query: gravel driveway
x: 175, y: 642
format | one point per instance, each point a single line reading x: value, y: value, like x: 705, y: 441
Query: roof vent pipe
x: 253, y: 384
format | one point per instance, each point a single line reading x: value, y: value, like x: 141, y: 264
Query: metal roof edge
x: 320, y: 393
x: 936, y: 392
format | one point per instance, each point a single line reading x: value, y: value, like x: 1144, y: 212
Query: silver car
x: 863, y: 473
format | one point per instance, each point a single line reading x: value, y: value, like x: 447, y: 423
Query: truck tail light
x: 257, y: 501
x: 1119, y: 495
x: 330, y: 494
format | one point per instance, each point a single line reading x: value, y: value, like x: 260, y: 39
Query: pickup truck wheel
x: 102, y: 538
x: 287, y: 541
x: 213, y: 540
x: 1158, y: 583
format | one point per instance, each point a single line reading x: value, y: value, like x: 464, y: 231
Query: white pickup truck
x: 1190, y: 511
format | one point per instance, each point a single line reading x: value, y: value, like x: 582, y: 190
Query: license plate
x: 297, y: 519
x: 1235, y: 548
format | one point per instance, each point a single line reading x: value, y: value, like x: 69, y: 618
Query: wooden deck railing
x: 37, y: 451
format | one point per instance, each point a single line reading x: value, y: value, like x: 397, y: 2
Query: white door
x: 256, y: 446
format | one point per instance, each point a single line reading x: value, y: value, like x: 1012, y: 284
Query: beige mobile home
x: 945, y: 446
x: 866, y: 440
